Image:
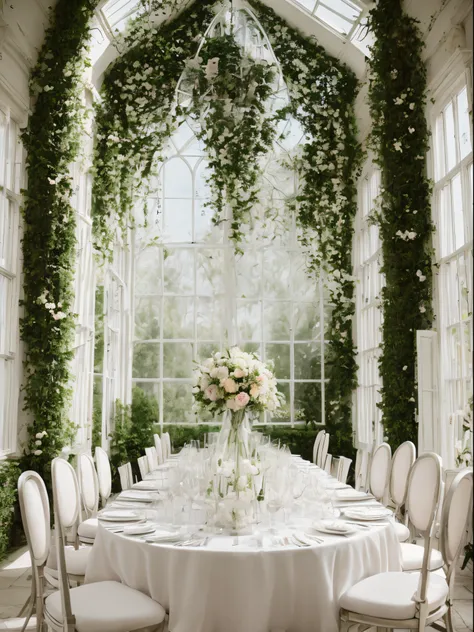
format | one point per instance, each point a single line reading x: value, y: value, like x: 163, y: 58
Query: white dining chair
x: 316, y: 445
x: 104, y: 474
x: 343, y: 466
x: 361, y: 469
x: 402, y: 461
x: 166, y: 443
x: 35, y: 517
x: 453, y: 518
x: 88, y: 484
x: 159, y: 448
x: 328, y: 463
x: 108, y: 605
x: 126, y: 476
x: 379, y: 471
x: 397, y: 599
x: 152, y: 457
x: 323, y: 450
x: 143, y: 466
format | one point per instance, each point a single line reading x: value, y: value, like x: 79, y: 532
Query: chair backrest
x: 166, y: 443
x: 35, y: 516
x: 126, y: 476
x: 88, y: 484
x: 159, y: 448
x: 103, y: 473
x: 457, y: 509
x: 317, y: 443
x: 343, y: 469
x: 361, y: 469
x: 67, y: 506
x: 152, y: 458
x: 421, y: 503
x: 380, y: 470
x: 402, y: 461
x: 143, y: 466
x: 323, y: 450
x: 328, y: 463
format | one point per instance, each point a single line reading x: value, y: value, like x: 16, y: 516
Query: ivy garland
x: 397, y: 99
x: 138, y: 114
x: 52, y: 141
x: 9, y: 473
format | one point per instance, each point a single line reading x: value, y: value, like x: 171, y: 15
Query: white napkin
x: 351, y: 494
x: 118, y: 516
x: 137, y: 496
x: 137, y: 529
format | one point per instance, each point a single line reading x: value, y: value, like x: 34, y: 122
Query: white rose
x: 242, y: 482
x: 229, y: 385
x: 220, y: 373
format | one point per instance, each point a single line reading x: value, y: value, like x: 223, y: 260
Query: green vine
x: 229, y: 95
x: 397, y: 99
x: 9, y: 473
x: 52, y: 141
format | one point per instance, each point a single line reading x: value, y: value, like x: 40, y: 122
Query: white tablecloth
x: 226, y: 588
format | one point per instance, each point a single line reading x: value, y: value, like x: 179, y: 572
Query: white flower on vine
x: 422, y: 309
x: 38, y: 452
x: 38, y: 442
x: 397, y: 146
x: 398, y: 101
x: 405, y: 368
x: 194, y: 64
x: 212, y: 68
x: 412, y: 106
x: 50, y: 305
x: 411, y: 130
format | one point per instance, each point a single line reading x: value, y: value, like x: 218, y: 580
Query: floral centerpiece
x: 235, y: 383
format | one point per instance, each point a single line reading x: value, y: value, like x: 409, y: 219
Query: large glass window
x: 11, y: 171
x: 453, y: 217
x: 367, y: 253
x: 194, y: 296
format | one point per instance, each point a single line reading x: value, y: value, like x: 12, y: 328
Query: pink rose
x: 239, y: 373
x: 231, y: 404
x: 230, y: 386
x: 241, y: 400
x: 255, y: 390
x: 211, y: 392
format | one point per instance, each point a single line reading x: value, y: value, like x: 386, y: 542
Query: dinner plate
x: 367, y: 513
x: 119, y: 516
x: 334, y: 527
x: 137, y: 496
x: 139, y: 529
x: 164, y: 538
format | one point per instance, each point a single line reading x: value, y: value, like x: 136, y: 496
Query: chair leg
x: 448, y: 619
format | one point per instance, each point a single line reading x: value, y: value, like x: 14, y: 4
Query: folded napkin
x: 118, y: 516
x: 164, y: 537
x: 147, y: 486
x: 368, y: 513
x: 138, y: 529
x: 136, y: 496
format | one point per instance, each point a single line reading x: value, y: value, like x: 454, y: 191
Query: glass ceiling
x: 345, y: 18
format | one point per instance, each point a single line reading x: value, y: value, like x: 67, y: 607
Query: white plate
x: 137, y: 496
x: 170, y: 538
x: 368, y: 514
x: 139, y: 529
x: 334, y: 528
x: 351, y: 495
x: 119, y: 516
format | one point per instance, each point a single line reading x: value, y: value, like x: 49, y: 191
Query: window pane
x: 445, y: 225
x: 249, y: 271
x: 146, y: 360
x: 279, y: 354
x: 178, y: 317
x: 276, y: 320
x: 458, y: 215
x: 209, y: 273
x: 177, y: 179
x: 147, y: 317
x: 249, y: 320
x: 440, y: 165
x: 210, y: 318
x: 464, y: 124
x: 284, y: 413
x: 308, y: 361
x: 334, y: 20
x: 177, y: 220
x: 177, y: 403
x: 307, y: 321
x: 148, y: 272
x: 177, y: 359
x: 308, y: 401
x: 178, y: 271
x: 204, y: 228
x: 450, y: 139
x: 276, y: 273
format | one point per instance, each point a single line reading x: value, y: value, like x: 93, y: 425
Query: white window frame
x: 369, y: 317
x: 10, y: 271
x: 456, y: 77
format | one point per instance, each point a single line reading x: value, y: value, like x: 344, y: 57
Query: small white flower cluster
x: 235, y: 380
x: 39, y: 436
x: 406, y: 235
x: 51, y: 307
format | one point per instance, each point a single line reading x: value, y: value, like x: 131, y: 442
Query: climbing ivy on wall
x: 399, y: 137
x: 52, y: 141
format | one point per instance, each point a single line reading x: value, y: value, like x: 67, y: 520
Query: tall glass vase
x: 235, y: 476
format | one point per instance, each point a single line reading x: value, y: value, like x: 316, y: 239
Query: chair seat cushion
x: 412, y: 557
x: 403, y: 532
x: 76, y: 560
x: 390, y: 595
x: 88, y: 528
x: 107, y: 607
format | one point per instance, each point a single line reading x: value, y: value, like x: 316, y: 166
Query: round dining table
x: 248, y: 583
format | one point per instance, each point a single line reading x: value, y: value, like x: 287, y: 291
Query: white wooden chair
x: 126, y: 476
x: 379, y: 471
x: 402, y: 461
x: 104, y: 474
x: 166, y: 443
x: 323, y: 451
x: 316, y: 445
x: 152, y: 457
x: 107, y: 605
x: 361, y: 469
x: 328, y: 463
x: 88, y: 484
x: 398, y: 599
x: 35, y: 516
x: 159, y: 449
x: 143, y: 466
x: 343, y: 466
